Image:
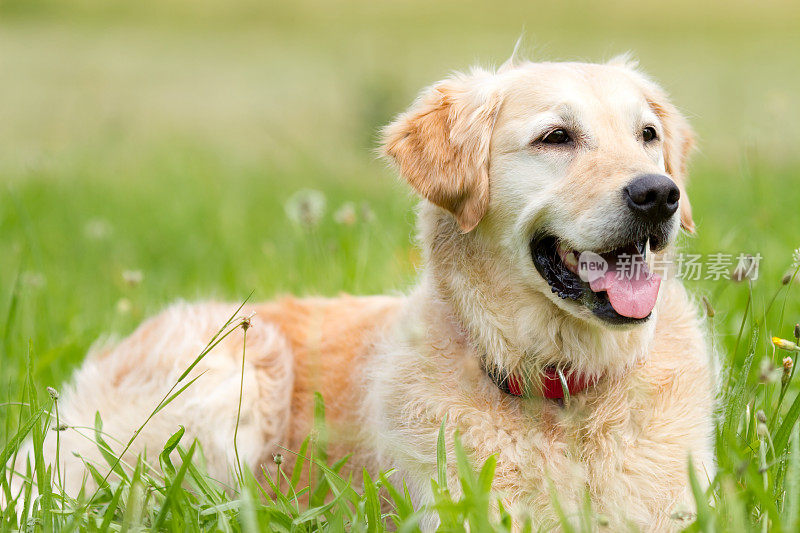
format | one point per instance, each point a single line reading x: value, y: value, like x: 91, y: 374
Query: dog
x: 537, y: 181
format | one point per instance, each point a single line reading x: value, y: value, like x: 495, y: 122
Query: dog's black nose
x: 653, y: 197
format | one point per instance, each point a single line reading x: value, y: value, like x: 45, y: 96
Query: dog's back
x: 294, y: 347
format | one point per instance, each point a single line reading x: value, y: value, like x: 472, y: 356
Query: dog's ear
x: 678, y: 142
x: 441, y: 144
x: 679, y: 138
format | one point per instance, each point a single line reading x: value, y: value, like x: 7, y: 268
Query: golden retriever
x: 538, y: 182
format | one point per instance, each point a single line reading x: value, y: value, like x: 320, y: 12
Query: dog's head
x: 569, y: 173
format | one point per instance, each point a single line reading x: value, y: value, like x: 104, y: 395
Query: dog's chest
x: 625, y: 447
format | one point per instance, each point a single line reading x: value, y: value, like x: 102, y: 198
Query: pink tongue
x: 632, y: 290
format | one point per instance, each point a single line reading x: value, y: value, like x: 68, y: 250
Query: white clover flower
x: 346, y: 214
x: 306, y: 207
x: 123, y: 306
x: 97, y: 229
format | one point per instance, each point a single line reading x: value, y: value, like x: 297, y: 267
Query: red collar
x: 551, y: 387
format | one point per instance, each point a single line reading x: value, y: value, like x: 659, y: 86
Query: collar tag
x: 554, y: 383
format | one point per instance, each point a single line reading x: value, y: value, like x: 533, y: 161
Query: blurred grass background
x: 164, y: 137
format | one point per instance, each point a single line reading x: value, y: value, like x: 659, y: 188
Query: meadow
x: 151, y: 152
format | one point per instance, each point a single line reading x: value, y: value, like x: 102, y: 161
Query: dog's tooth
x: 570, y: 259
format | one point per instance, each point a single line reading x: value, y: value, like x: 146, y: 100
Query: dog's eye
x: 649, y: 134
x: 559, y: 136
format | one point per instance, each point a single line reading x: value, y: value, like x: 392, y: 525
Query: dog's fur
x: 391, y: 369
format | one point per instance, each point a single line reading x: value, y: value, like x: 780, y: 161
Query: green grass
x: 165, y: 138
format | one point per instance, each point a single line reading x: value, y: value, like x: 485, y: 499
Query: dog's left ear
x: 678, y: 142
x: 441, y: 144
x: 679, y: 138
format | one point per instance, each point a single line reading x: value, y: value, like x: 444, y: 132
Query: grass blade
x: 172, y: 497
x: 441, y: 457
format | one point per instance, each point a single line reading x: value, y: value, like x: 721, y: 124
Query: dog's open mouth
x: 616, y: 285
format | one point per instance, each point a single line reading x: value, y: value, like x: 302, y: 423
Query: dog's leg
x: 125, y: 383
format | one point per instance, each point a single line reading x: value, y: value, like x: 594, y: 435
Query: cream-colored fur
x: 392, y: 368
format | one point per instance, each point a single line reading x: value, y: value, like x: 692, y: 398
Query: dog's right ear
x: 441, y: 144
